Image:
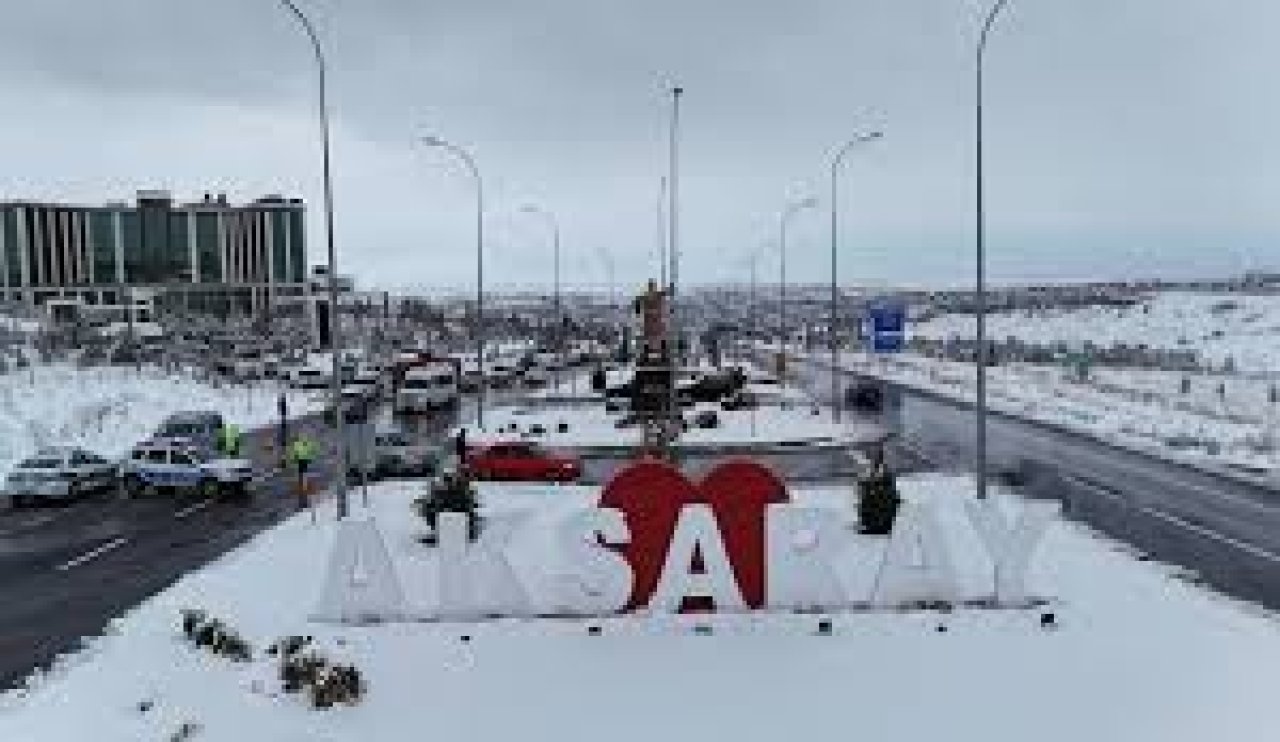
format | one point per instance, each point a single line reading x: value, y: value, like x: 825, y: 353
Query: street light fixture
x: 831, y: 326
x: 792, y: 209
x: 980, y: 356
x: 335, y: 316
x: 558, y: 325
x: 479, y: 331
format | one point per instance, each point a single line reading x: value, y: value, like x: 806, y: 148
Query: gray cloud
x: 1124, y: 137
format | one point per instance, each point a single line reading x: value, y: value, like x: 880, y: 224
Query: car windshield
x: 393, y: 439
x: 41, y: 463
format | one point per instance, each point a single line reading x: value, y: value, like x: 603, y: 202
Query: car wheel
x: 73, y: 493
x: 209, y: 488
x: 18, y: 502
x: 130, y: 488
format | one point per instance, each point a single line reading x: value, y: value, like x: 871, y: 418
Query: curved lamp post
x: 792, y: 209
x: 831, y: 326
x: 335, y: 316
x: 469, y: 162
x: 980, y: 356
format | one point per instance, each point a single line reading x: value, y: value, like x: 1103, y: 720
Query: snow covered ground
x: 1116, y: 406
x: 593, y: 426
x: 109, y: 409
x: 1222, y: 420
x: 1245, y: 328
x: 1138, y: 655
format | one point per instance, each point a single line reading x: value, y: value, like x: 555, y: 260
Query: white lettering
x: 598, y: 580
x: 917, y: 563
x: 1011, y: 547
x: 697, y: 533
x: 802, y: 544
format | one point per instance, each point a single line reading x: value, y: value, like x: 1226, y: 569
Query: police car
x: 180, y: 465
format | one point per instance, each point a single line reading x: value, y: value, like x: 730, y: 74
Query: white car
x: 62, y: 473
x: 177, y: 464
x: 431, y: 386
x: 307, y: 377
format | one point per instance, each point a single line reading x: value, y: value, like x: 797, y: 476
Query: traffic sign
x: 888, y: 320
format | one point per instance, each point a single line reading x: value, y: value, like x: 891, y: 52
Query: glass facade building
x: 207, y: 246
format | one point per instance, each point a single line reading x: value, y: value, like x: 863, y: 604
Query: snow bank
x: 109, y: 409
x: 1138, y: 656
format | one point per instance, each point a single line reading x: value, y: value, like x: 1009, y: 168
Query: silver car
x: 62, y: 474
x: 396, y: 454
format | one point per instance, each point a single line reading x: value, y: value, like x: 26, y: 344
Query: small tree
x: 452, y: 492
x: 878, y: 499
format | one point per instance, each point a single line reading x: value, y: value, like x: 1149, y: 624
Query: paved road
x: 1224, y: 528
x: 67, y: 570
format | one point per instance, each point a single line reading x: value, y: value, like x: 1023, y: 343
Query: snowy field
x: 1221, y: 421
x: 108, y: 409
x: 1195, y: 429
x: 1245, y: 328
x: 1138, y: 655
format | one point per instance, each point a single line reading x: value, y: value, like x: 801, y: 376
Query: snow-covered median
x: 1137, y: 655
x: 108, y: 409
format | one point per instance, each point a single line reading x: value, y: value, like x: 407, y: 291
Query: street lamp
x: 981, y: 269
x: 335, y: 316
x: 792, y: 209
x: 558, y: 325
x: 831, y: 327
x: 479, y: 330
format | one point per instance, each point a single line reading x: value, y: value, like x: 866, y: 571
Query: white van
x: 431, y: 386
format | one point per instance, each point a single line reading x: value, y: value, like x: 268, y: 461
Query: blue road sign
x: 888, y: 325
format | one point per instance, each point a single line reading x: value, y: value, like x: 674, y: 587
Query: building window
x: 102, y: 246
x: 134, y: 259
x: 208, y: 252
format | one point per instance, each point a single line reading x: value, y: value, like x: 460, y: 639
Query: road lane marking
x: 1187, y: 525
x: 193, y: 509
x: 113, y: 544
x: 1215, y: 536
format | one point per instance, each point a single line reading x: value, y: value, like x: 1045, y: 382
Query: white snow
x: 1140, y: 656
x: 108, y: 409
x: 593, y: 426
x: 1227, y: 417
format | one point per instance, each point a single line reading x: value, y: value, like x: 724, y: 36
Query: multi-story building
x: 203, y: 256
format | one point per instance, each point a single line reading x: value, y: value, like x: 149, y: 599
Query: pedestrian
x: 302, y: 452
x: 229, y: 440
x: 460, y: 444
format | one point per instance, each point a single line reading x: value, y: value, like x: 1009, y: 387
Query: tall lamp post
x: 335, y: 316
x: 558, y: 325
x: 792, y: 209
x: 469, y: 162
x: 980, y: 258
x: 831, y: 326
x: 673, y: 256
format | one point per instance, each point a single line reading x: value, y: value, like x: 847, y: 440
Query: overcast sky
x: 1125, y: 138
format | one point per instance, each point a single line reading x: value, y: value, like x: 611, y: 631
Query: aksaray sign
x: 658, y: 541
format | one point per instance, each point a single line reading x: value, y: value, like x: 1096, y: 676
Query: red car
x: 521, y: 461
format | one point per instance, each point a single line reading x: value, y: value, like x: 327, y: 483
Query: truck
x: 431, y: 385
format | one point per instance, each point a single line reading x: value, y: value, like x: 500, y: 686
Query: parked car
x: 368, y: 380
x: 307, y: 378
x: 62, y: 473
x: 864, y: 397
x: 395, y: 453
x: 521, y: 461
x: 200, y: 426
x: 181, y: 465
x: 430, y: 386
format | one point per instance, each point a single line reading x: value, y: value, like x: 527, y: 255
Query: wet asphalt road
x: 1224, y: 528
x: 66, y: 570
